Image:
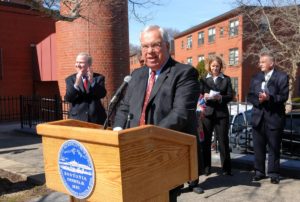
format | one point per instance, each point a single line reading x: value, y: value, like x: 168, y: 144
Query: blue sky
x: 178, y: 14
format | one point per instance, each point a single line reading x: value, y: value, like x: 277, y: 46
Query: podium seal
x: 76, y: 169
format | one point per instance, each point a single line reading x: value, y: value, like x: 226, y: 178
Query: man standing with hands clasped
x: 269, y: 91
x: 84, y: 91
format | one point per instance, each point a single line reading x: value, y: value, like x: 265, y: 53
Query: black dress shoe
x: 228, y: 173
x: 258, y: 177
x: 274, y: 180
x: 207, y: 171
x: 198, y: 190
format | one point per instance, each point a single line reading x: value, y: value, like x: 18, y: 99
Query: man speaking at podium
x: 164, y: 92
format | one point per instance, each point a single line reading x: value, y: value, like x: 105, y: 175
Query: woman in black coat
x: 217, y: 94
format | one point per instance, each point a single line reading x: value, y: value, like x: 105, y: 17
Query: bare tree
x: 134, y: 49
x: 73, y: 9
x: 274, y: 25
x: 172, y: 32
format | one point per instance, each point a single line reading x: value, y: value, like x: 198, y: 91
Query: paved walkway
x: 21, y: 155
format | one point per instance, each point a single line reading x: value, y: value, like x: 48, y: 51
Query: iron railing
x: 35, y: 110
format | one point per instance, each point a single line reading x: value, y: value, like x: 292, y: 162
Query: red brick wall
x: 20, y: 27
x: 105, y: 37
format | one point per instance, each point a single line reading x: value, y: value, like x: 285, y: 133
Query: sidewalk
x: 21, y: 157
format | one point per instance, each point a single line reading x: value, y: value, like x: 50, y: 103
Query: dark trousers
x: 263, y: 136
x: 221, y: 127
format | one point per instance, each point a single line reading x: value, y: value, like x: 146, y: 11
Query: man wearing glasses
x: 163, y: 92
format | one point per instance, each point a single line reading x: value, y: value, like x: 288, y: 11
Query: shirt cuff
x: 76, y: 87
x: 118, y: 128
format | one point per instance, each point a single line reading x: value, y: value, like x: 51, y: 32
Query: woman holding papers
x: 217, y: 94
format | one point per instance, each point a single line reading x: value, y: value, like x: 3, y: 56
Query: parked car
x: 291, y: 134
x: 240, y: 130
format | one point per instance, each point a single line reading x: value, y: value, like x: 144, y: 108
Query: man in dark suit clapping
x: 163, y: 92
x: 84, y: 91
x: 269, y: 91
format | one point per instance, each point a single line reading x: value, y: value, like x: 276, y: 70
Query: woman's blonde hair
x: 216, y: 58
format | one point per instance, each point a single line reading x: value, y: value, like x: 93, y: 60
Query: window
x: 221, y: 31
x: 235, y: 83
x: 200, y: 58
x: 1, y: 65
x: 211, y: 54
x: 211, y: 34
x: 189, y: 42
x: 182, y: 44
x: 233, y: 27
x: 200, y: 38
x: 233, y: 56
x: 189, y: 60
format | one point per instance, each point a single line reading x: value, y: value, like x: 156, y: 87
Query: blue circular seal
x: 76, y: 169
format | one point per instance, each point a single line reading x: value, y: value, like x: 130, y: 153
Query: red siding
x: 20, y: 28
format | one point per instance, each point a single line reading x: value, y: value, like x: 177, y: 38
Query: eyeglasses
x: 154, y: 46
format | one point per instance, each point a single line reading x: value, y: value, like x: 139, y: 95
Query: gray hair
x: 88, y: 56
x: 164, y: 35
x: 268, y: 53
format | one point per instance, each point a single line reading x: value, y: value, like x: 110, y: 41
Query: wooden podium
x: 136, y: 164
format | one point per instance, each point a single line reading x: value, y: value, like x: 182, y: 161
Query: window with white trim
x: 233, y: 27
x: 235, y: 84
x: 200, y: 58
x: 200, y: 38
x: 221, y: 31
x: 182, y: 44
x: 233, y: 56
x: 189, y: 60
x: 189, y: 42
x: 211, y: 34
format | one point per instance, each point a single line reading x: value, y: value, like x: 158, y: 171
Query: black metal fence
x: 35, y: 110
x: 9, y: 108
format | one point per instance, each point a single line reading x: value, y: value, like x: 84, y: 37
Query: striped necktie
x: 147, y: 96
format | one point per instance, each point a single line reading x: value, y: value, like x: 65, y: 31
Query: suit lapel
x: 272, y: 78
x: 142, y: 87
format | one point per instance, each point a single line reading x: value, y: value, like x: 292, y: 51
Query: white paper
x: 213, y: 93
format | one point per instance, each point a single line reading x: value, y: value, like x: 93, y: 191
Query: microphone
x: 120, y: 89
x: 115, y: 99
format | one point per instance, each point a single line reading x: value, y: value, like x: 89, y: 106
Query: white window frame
x: 211, y: 35
x: 234, y: 27
x: 200, y: 38
x: 189, y: 60
x: 200, y: 58
x: 233, y: 56
x: 189, y: 42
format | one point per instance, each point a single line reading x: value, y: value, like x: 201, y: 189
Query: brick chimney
x: 102, y: 32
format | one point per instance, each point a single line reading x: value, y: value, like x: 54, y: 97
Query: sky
x: 178, y: 14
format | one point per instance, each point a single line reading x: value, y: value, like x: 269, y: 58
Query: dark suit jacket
x: 86, y: 106
x: 223, y: 85
x: 172, y: 103
x: 272, y: 111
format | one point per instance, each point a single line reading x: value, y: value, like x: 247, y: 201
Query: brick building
x: 222, y: 35
x: 24, y: 34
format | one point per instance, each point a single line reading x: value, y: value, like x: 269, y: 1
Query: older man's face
x: 265, y: 63
x: 154, y: 50
x: 81, y: 64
